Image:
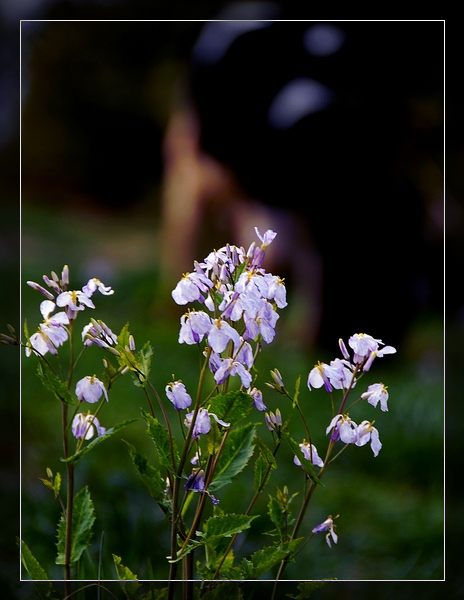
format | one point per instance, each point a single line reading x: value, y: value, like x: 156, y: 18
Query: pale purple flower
x: 375, y: 353
x: 202, y: 422
x: 363, y: 345
x: 194, y: 325
x: 276, y: 290
x: 83, y: 426
x: 196, y: 483
x: 339, y: 374
x: 344, y: 429
x: 244, y: 354
x: 220, y: 334
x: 74, y: 301
x: 318, y: 377
x: 262, y: 323
x: 178, y: 395
x: 89, y: 389
x: 310, y: 453
x: 95, y: 284
x: 191, y: 286
x: 267, y: 238
x: 229, y: 367
x: 327, y: 526
x: 377, y: 392
x: 52, y: 332
x: 257, y: 396
x: 365, y: 433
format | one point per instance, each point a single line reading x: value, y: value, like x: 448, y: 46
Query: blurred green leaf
x: 160, y: 435
x: 307, y: 588
x: 53, y: 383
x: 129, y: 582
x: 236, y: 453
x: 151, y: 478
x: 215, y: 529
x: 231, y: 407
x: 265, y: 559
x: 83, y: 518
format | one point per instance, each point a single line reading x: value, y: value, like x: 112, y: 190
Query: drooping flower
x: 83, y: 426
x: 367, y: 433
x: 329, y: 527
x: 310, y: 453
x: 178, y: 395
x: 257, y: 396
x: 194, y: 325
x: 202, y: 422
x: 344, y: 429
x: 95, y: 284
x: 363, y: 345
x: 191, y: 286
x: 377, y: 392
x: 89, y: 389
x: 196, y: 483
x: 52, y: 332
x: 373, y: 355
x: 229, y: 367
x: 318, y: 377
x: 220, y: 334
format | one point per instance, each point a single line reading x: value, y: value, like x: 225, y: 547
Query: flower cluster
x: 53, y: 332
x: 341, y: 374
x: 236, y: 294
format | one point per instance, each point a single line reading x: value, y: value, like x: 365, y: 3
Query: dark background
x: 96, y: 101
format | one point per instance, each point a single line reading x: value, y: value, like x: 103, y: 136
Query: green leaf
x: 265, y: 559
x: 215, y: 529
x: 151, y: 478
x: 83, y: 518
x: 53, y: 383
x: 278, y: 509
x: 160, y: 436
x: 31, y: 564
x: 97, y: 441
x: 44, y: 588
x: 231, y: 407
x: 129, y: 582
x: 236, y: 453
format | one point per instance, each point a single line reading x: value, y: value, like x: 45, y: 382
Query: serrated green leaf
x: 83, y: 518
x: 215, y: 529
x: 160, y: 436
x: 236, y: 453
x: 129, y: 582
x: 151, y: 478
x: 231, y: 407
x: 265, y: 559
x: 31, y: 564
x: 97, y: 441
x: 53, y: 383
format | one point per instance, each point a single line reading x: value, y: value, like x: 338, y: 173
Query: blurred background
x: 144, y: 145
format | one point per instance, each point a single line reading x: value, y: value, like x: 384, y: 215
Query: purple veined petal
x: 178, y: 395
